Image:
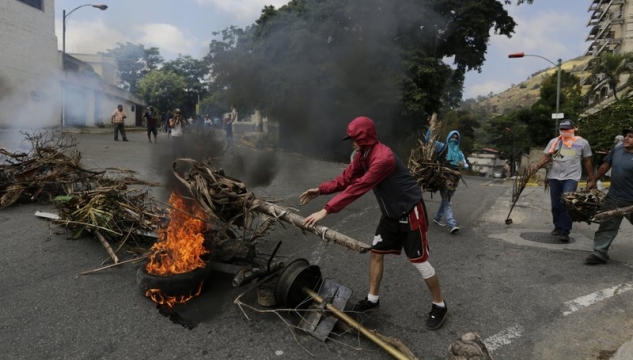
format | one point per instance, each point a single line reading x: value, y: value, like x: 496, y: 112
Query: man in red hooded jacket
x: 403, y: 223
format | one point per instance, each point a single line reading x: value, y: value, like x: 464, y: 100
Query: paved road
x: 527, y: 299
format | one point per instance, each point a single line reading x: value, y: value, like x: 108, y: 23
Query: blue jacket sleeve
x: 439, y: 146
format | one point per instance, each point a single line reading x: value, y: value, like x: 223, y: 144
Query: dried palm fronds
x: 227, y: 199
x: 583, y: 205
x: 520, y: 182
x: 117, y: 212
x: 433, y: 176
x: 221, y: 197
x: 51, y: 167
x: 424, y: 165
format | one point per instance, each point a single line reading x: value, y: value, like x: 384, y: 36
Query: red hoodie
x: 375, y: 167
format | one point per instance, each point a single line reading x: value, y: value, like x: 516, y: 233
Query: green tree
x: 163, y: 89
x: 134, y: 62
x: 601, y: 127
x: 195, y: 72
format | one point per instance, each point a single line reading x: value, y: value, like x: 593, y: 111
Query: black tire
x: 174, y: 285
x: 293, y: 278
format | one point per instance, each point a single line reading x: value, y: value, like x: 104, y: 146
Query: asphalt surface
x: 525, y: 294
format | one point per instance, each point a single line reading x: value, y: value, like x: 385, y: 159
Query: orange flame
x: 179, y: 247
x: 161, y: 298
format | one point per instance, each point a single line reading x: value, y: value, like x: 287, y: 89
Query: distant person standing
x: 151, y: 120
x: 118, y: 119
x: 506, y: 169
x: 177, y: 122
x: 568, y: 153
x: 228, y: 128
x: 165, y: 121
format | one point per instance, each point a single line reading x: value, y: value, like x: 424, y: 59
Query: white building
x: 33, y: 85
x: 610, y: 31
x: 30, y: 91
x: 486, y: 162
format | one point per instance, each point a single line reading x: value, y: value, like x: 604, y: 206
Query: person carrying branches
x: 450, y: 156
x: 620, y: 162
x: 566, y: 153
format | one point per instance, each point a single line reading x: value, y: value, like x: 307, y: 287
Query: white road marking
x: 588, y: 300
x: 504, y: 337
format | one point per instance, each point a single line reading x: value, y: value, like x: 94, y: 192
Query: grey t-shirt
x: 567, y: 162
x: 621, y: 163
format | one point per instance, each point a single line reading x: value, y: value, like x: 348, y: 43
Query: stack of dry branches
x: 87, y: 201
x: 114, y: 210
x: 583, y: 205
x: 221, y: 197
x: 228, y: 203
x: 227, y: 200
x: 428, y: 171
x: 49, y: 168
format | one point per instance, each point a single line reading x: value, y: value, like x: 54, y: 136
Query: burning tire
x: 184, y: 284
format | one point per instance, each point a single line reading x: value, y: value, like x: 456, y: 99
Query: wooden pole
x: 601, y: 216
x: 322, y: 231
x: 106, y: 245
x: 378, y: 340
x: 113, y: 265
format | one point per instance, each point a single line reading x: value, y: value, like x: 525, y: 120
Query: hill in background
x: 527, y: 93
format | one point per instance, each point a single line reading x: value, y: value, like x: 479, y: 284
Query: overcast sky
x: 550, y: 28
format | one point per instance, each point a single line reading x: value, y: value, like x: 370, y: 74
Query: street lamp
x: 559, y: 65
x: 64, y: 18
x: 512, y: 154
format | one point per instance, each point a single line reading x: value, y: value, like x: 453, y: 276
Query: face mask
x: 452, y: 141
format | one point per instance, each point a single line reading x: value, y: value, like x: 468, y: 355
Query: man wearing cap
x: 620, y: 162
x: 567, y: 152
x: 403, y: 223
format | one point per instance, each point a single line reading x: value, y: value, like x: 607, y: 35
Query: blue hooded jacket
x: 449, y: 151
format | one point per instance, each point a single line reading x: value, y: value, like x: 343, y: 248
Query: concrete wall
x: 256, y: 126
x: 485, y: 164
x: 30, y: 65
x: 105, y: 66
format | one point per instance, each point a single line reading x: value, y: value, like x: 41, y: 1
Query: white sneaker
x: 439, y: 222
x: 454, y: 229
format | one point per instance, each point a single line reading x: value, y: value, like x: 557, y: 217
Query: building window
x: 34, y: 3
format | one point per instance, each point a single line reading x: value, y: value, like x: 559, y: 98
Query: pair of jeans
x: 560, y: 217
x: 609, y: 228
x: 446, y: 208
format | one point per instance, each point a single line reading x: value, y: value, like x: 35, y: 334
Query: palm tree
x: 611, y: 68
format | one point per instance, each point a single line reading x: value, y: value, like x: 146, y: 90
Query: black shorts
x: 408, y: 232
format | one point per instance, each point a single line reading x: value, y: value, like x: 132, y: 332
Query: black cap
x: 566, y: 124
x: 626, y: 131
